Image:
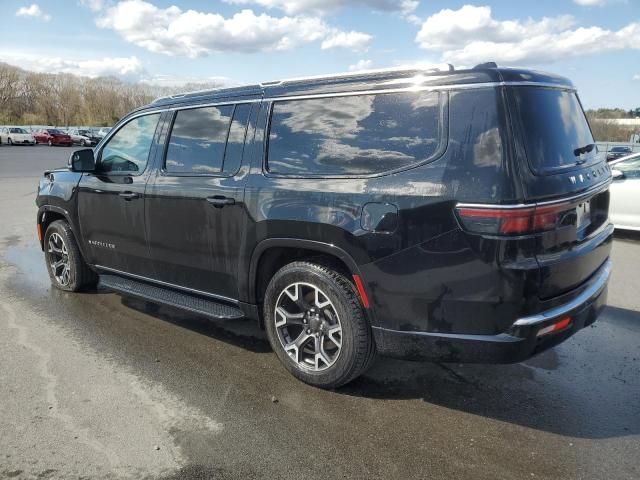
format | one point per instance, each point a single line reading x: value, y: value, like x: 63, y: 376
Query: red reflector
x: 360, y: 287
x: 556, y: 327
x: 39, y: 230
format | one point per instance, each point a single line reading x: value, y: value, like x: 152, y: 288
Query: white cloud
x: 636, y: 77
x: 356, y: 41
x: 95, y: 5
x: 34, y: 11
x: 293, y: 7
x: 361, y: 65
x: 172, y: 31
x: 129, y: 68
x: 591, y: 3
x: 471, y: 34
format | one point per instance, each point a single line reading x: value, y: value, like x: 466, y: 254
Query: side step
x: 173, y: 298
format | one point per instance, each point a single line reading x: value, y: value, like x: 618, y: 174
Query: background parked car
x: 83, y: 137
x: 624, y: 206
x: 53, y: 136
x: 618, y: 152
x: 103, y: 132
x: 16, y: 136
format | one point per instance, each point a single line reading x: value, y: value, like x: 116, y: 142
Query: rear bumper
x: 518, y: 343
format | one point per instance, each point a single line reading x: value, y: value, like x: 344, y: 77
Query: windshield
x: 554, y: 128
x: 16, y: 130
x: 54, y: 131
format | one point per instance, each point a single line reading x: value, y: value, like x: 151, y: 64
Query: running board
x: 166, y: 296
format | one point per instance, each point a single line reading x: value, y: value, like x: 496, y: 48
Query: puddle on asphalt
x: 31, y: 269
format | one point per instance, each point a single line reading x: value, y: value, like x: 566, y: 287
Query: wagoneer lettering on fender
x: 455, y: 215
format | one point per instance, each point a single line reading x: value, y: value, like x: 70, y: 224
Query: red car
x: 53, y: 136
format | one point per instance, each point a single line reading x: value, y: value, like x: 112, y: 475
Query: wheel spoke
x: 332, y: 333
x: 297, y: 345
x: 319, y: 303
x: 286, y: 318
x: 320, y: 354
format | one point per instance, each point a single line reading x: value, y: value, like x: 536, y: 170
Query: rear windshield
x: 554, y: 128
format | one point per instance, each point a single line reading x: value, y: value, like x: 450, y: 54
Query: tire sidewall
x: 74, y: 262
x: 346, y: 313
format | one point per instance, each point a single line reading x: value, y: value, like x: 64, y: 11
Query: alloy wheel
x: 308, y: 326
x: 59, y: 259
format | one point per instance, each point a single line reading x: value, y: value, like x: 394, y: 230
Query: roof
x: 393, y: 78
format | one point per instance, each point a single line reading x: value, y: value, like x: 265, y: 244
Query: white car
x: 624, y: 206
x: 16, y: 136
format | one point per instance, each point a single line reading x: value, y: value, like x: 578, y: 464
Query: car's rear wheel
x: 316, y: 325
x: 9, y: 141
x: 67, y: 269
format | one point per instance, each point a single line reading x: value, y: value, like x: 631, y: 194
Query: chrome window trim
x: 592, y: 191
x: 167, y: 284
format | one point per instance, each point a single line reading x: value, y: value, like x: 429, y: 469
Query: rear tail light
x: 498, y: 220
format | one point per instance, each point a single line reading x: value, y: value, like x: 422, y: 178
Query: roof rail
x: 440, y: 67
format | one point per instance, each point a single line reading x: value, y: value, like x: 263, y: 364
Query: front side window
x: 127, y: 151
x: 353, y: 135
x: 198, y: 140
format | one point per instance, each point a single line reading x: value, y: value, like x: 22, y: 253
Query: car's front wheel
x: 316, y: 325
x: 67, y: 269
x: 50, y: 143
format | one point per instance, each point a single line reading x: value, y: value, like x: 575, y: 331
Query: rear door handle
x: 220, y: 201
x: 129, y: 195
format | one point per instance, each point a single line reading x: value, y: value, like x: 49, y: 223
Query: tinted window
x: 554, y: 127
x: 17, y: 130
x: 235, y: 144
x: 128, y: 150
x: 353, y: 135
x: 198, y: 140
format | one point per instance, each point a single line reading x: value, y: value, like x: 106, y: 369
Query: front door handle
x: 129, y: 195
x: 220, y: 201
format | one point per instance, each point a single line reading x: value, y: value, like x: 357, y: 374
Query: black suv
x: 457, y: 216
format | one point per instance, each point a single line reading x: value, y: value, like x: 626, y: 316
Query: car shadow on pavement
x: 631, y: 235
x: 577, y: 390
x: 242, y: 333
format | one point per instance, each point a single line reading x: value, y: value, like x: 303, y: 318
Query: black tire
x: 50, y: 143
x: 357, y: 349
x: 9, y: 141
x: 80, y: 275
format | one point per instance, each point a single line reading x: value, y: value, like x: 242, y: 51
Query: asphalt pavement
x: 99, y: 386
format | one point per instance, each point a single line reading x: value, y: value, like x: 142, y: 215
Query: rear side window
x: 353, y: 135
x: 198, y: 139
x: 554, y: 128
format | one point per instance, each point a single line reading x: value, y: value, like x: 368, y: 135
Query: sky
x: 596, y: 43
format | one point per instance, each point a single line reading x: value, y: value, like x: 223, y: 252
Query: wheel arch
x: 272, y: 254
x: 48, y: 214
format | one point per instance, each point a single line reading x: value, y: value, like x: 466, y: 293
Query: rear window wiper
x: 582, y: 150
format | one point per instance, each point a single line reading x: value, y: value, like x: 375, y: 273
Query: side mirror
x: 617, y: 174
x: 82, y: 161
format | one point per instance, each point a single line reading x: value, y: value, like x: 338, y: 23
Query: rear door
x: 195, y: 212
x: 111, y: 200
x: 562, y: 172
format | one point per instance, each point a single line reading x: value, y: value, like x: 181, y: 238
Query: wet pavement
x: 95, y: 385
